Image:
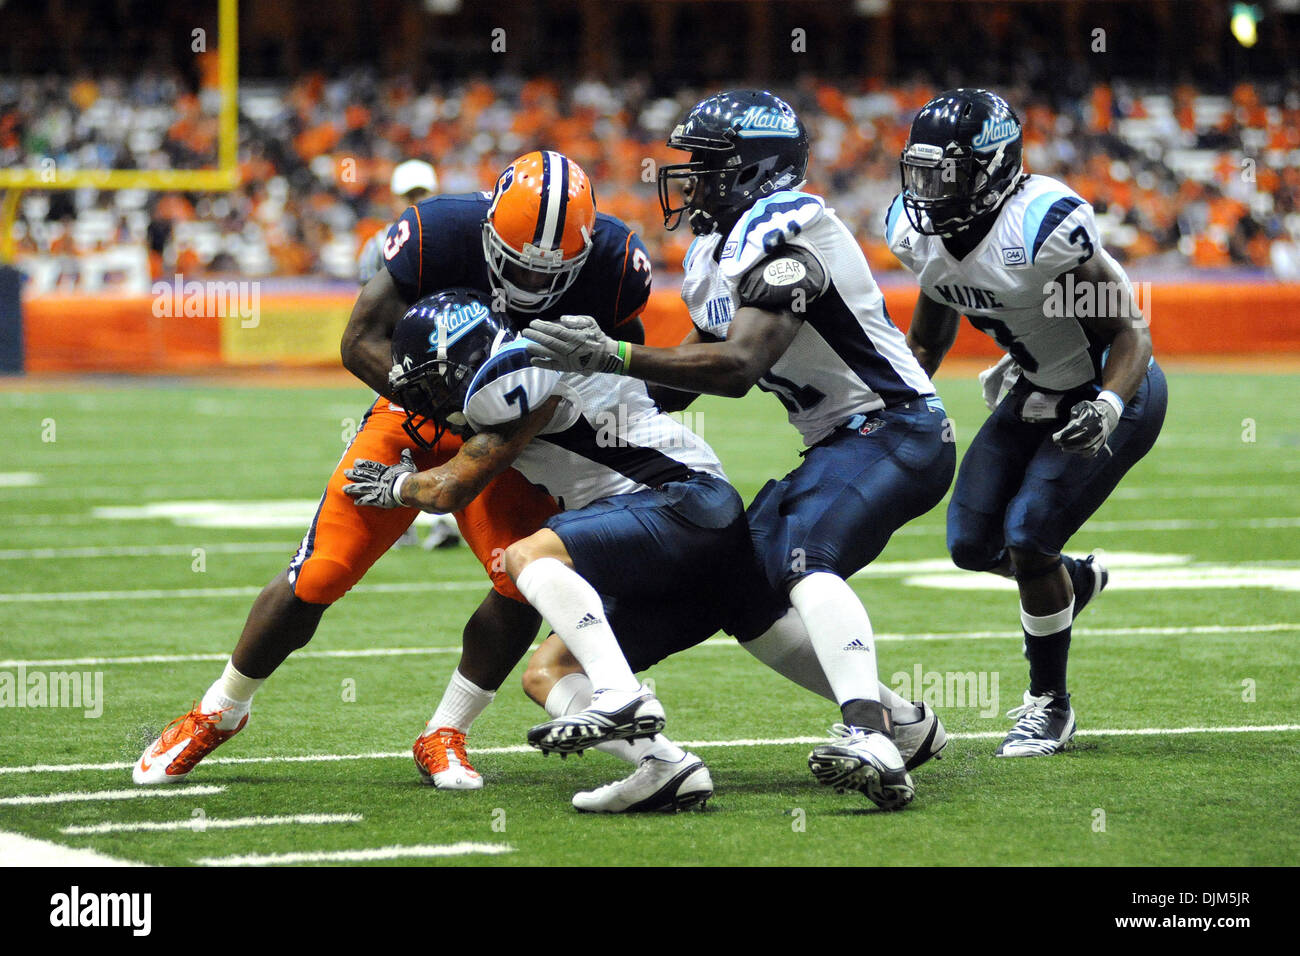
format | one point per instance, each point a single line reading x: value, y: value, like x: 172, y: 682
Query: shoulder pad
x: 777, y: 283
x: 1060, y: 232
x: 893, y: 215
x: 507, y: 387
x: 764, y: 229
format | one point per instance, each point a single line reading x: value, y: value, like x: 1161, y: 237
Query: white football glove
x: 997, y: 381
x: 576, y: 343
x: 1090, y: 425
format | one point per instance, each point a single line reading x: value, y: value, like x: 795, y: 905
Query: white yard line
x: 1187, y: 631
x: 145, y: 550
x: 1151, y: 524
x: 82, y: 796
x: 524, y: 749
x: 208, y: 823
x: 357, y: 856
x: 192, y: 658
x: 161, y: 594
x: 19, y: 850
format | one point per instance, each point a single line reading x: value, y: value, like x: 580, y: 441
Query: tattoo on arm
x: 483, y: 456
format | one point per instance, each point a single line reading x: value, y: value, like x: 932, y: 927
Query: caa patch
x: 1013, y: 256
x: 781, y: 272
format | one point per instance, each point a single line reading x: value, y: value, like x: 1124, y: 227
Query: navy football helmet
x: 744, y: 145
x: 438, y: 345
x: 963, y: 157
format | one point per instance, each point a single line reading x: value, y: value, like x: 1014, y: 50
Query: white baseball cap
x: 413, y: 174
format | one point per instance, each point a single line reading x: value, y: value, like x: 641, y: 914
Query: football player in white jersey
x: 1077, y: 400
x: 644, y: 502
x: 781, y: 297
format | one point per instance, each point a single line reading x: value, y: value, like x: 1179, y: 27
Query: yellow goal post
x: 223, y: 178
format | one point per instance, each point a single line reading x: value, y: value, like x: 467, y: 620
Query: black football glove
x: 1088, y: 429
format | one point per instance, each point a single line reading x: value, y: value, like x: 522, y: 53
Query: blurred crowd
x: 1179, y: 178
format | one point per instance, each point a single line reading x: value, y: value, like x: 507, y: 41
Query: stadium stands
x: 1180, y: 178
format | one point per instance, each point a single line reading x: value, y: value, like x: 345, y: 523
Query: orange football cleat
x: 182, y: 744
x: 442, y: 760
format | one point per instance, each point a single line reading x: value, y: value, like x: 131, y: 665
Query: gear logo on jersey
x: 1013, y: 256
x: 995, y: 133
x: 766, y: 121
x: 781, y: 272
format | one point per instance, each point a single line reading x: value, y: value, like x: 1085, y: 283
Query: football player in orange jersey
x: 537, y: 242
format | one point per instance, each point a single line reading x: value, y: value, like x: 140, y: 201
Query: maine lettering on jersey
x: 969, y: 297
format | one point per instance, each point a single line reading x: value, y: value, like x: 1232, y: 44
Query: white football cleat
x: 866, y: 761
x: 1044, y: 726
x: 611, y: 715
x: 921, y: 739
x: 440, y: 756
x: 655, y: 785
x: 182, y: 744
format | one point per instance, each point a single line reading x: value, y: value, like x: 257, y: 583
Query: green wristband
x: 622, y: 357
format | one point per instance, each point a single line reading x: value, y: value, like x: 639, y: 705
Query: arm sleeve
x: 784, y: 282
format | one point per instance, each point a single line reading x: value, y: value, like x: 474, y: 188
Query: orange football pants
x: 345, y: 540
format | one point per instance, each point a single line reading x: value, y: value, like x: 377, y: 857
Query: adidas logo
x: 856, y: 645
x: 906, y: 243
x: 588, y: 620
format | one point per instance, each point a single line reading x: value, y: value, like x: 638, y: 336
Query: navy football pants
x: 1016, y: 489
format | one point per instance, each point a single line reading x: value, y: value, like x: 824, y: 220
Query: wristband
x: 397, y: 488
x: 1113, y: 400
x: 622, y: 357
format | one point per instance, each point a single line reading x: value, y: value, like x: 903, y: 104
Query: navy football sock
x: 1047, y: 647
x: 1047, y: 657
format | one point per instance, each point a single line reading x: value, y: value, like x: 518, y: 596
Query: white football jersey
x: 1043, y: 230
x: 607, y: 436
x: 847, y: 357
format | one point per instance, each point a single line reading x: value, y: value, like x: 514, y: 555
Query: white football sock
x: 786, y: 648
x: 232, y: 693
x: 573, y: 608
x: 461, y: 703
x: 572, y: 693
x: 841, y: 636
x: 1045, y: 625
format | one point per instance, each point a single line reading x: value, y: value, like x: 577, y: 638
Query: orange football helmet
x: 538, y: 230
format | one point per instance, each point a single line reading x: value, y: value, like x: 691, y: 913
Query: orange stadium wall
x: 122, y: 334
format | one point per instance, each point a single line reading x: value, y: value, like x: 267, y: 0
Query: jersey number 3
x: 395, y: 242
